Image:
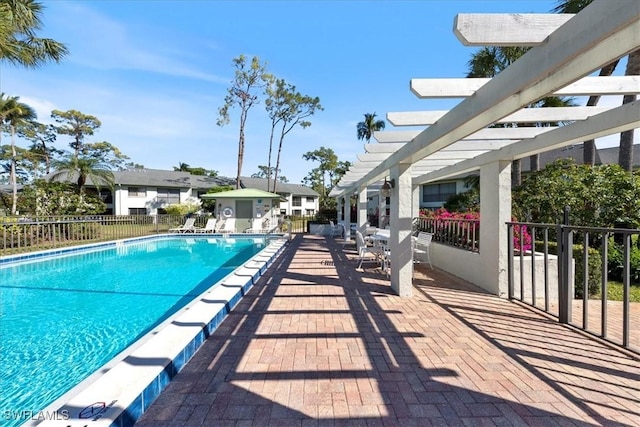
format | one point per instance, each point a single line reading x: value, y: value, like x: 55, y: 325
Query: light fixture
x: 385, y: 190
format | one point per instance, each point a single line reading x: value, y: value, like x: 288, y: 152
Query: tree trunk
x: 589, y: 147
x: 625, y: 155
x: 12, y: 174
x: 243, y: 118
x: 516, y: 173
x: 589, y: 153
x: 534, y: 163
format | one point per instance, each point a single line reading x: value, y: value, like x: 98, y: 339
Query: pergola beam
x: 526, y: 115
x: 466, y: 87
x: 513, y: 29
x: 483, y: 134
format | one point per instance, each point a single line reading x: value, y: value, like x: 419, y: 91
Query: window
x: 169, y: 196
x: 137, y: 192
x: 137, y: 211
x: 310, y: 199
x: 296, y: 201
x: 310, y: 211
x: 296, y: 212
x: 438, y: 192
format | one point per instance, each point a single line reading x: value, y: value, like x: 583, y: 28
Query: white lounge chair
x: 209, y: 227
x: 258, y: 225
x: 336, y: 229
x: 187, y: 227
x: 228, y: 226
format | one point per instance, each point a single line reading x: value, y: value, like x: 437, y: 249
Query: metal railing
x: 581, y: 275
x: 26, y: 234
x: 459, y: 233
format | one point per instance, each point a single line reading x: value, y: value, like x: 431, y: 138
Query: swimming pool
x: 64, y: 317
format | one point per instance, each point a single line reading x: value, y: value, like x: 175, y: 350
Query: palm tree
x: 625, y: 153
x: 488, y: 62
x: 83, y: 169
x: 182, y: 167
x: 370, y: 125
x: 19, y: 23
x: 13, y: 113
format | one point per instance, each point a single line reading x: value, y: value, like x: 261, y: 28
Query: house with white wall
x: 149, y: 191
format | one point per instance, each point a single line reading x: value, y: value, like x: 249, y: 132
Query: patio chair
x: 336, y: 229
x: 365, y: 251
x: 209, y: 227
x: 421, y: 246
x: 228, y: 226
x: 187, y: 227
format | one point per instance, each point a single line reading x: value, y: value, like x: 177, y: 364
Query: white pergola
x: 566, y: 50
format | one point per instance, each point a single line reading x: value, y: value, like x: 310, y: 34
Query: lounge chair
x: 258, y: 225
x: 209, y: 227
x: 187, y: 227
x: 228, y: 226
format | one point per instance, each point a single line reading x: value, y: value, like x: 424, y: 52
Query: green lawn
x: 614, y: 292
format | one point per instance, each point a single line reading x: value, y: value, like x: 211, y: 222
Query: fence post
x: 565, y: 256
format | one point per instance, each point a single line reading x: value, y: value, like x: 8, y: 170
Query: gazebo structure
x: 566, y: 50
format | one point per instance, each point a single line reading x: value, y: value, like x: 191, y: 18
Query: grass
x: 615, y: 292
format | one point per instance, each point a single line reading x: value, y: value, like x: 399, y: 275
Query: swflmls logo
x: 96, y: 410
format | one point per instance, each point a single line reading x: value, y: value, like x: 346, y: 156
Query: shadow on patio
x: 317, y: 342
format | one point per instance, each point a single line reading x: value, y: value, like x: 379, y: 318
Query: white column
x: 347, y: 218
x: 362, y: 208
x: 382, y: 209
x: 495, y: 211
x: 415, y: 205
x: 400, y: 242
x: 339, y: 216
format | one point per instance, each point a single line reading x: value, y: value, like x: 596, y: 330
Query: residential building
x: 149, y: 191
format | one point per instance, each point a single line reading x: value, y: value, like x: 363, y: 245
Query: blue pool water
x: 62, y: 318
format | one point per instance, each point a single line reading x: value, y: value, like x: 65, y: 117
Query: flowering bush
x: 442, y: 216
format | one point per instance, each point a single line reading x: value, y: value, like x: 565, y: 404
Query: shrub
x: 594, y: 271
x: 615, y: 265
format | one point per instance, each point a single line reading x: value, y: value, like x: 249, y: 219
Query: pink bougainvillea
x: 474, y: 217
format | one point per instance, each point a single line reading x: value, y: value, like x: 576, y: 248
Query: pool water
x: 63, y: 318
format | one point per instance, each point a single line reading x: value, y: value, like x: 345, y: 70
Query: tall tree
x: 625, y: 153
x: 297, y: 108
x: 42, y: 138
x: 19, y: 44
x: 328, y: 163
x: 243, y: 93
x: 368, y: 126
x: 76, y: 124
x: 265, y: 172
x: 13, y: 113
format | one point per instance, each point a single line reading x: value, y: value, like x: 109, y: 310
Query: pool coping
x: 119, y: 392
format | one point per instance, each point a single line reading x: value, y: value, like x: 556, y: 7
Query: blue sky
x: 156, y: 72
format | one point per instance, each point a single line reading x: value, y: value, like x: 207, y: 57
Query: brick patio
x: 317, y: 342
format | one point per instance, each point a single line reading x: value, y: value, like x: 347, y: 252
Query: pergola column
x: 495, y: 211
x: 362, y: 208
x: 340, y: 215
x: 347, y: 218
x: 382, y: 208
x: 400, y: 242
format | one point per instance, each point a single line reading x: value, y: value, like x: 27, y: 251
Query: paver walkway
x: 317, y: 342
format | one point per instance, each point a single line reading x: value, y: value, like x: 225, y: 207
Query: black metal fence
x: 588, y: 277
